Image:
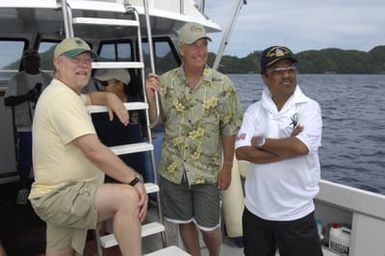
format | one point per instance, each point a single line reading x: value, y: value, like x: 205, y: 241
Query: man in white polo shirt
x: 280, y: 136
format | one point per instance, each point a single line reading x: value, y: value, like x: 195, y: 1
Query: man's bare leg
x: 121, y: 202
x: 190, y: 238
x: 213, y: 241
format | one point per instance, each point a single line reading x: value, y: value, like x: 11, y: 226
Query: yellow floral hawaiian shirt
x: 195, y: 121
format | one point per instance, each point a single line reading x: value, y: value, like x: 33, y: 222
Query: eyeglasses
x: 282, y: 70
x: 80, y: 60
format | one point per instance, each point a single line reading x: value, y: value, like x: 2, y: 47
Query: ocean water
x: 353, y: 112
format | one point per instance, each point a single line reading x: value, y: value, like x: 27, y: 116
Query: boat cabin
x: 137, y: 35
x: 110, y: 27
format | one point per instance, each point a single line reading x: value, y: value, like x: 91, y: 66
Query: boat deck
x: 23, y: 233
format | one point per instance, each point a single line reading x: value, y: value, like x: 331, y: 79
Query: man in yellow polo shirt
x: 70, y: 162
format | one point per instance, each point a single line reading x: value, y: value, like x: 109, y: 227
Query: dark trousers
x: 24, y: 157
x: 292, y: 238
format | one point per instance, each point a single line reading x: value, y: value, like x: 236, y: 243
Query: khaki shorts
x: 200, y: 203
x: 69, y: 212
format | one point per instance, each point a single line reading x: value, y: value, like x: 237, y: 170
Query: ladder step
x: 44, y: 4
x: 171, y: 250
x: 105, y: 22
x: 103, y: 6
x: 152, y: 229
x: 122, y: 64
x: 129, y: 106
x: 151, y: 187
x: 147, y: 230
x: 132, y: 148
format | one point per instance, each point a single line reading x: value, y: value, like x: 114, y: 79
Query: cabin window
x: 46, y: 50
x: 10, y: 52
x: 166, y: 57
x: 115, y: 52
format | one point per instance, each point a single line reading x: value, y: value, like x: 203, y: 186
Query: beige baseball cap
x: 72, y: 47
x: 121, y: 75
x: 191, y: 32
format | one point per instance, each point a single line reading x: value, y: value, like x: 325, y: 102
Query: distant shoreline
x: 325, y: 61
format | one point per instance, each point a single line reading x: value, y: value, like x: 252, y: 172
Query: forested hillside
x: 314, y: 62
x: 332, y: 60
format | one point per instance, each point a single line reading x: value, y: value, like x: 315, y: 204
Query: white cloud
x: 301, y: 25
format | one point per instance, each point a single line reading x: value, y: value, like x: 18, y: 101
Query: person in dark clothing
x: 23, y: 91
x: 114, y: 133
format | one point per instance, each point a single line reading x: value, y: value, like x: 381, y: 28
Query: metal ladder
x: 69, y: 22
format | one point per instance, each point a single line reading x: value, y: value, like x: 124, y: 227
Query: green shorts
x: 199, y: 203
x: 69, y: 212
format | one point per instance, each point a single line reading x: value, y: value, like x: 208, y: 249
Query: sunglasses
x: 104, y: 83
x: 281, y: 70
x: 107, y: 83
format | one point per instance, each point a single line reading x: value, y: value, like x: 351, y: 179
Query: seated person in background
x: 114, y: 133
x: 23, y: 90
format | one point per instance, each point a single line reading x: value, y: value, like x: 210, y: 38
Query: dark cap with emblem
x: 72, y: 47
x: 274, y: 54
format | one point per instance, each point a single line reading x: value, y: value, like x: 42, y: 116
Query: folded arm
x: 111, y: 101
x: 273, y: 150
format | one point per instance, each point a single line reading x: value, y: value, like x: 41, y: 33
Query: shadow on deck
x: 21, y: 230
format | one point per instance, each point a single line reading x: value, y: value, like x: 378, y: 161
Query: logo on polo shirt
x: 294, y: 120
x: 241, y: 136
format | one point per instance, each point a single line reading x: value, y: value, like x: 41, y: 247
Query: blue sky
x: 300, y: 24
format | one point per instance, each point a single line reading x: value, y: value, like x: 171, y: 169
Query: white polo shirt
x: 283, y: 190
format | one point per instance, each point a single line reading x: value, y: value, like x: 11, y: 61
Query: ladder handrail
x: 152, y: 61
x: 66, y: 20
x: 151, y: 125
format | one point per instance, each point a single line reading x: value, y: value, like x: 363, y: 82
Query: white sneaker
x: 22, y: 196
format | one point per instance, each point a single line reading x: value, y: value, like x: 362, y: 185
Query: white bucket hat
x: 121, y: 75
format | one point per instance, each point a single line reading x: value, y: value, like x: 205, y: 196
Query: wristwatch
x: 135, y: 180
x: 259, y: 141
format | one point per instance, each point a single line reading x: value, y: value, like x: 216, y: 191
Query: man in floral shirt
x: 201, y: 115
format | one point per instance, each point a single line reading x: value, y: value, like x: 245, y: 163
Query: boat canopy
x: 45, y: 17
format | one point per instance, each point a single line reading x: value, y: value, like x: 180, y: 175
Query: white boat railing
x: 363, y: 210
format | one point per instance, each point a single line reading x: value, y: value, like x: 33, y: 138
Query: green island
x: 325, y: 61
